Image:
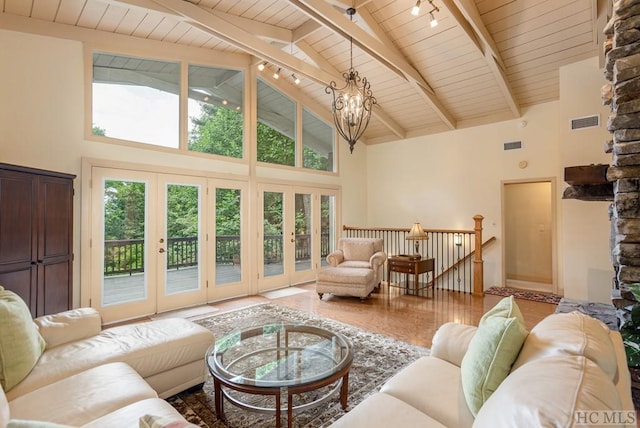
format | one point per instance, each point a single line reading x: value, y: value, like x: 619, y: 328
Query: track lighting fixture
x: 432, y: 20
x: 276, y: 75
x: 262, y: 65
x: 295, y: 78
x: 416, y: 9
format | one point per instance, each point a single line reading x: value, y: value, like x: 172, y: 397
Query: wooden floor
x: 413, y: 319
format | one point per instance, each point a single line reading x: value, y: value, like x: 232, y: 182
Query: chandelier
x: 353, y: 103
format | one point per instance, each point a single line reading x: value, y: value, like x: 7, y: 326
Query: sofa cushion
x: 491, y: 352
x: 20, y: 343
x: 81, y: 398
x: 549, y: 392
x: 382, y: 410
x: 149, y: 347
x: 571, y: 333
x: 67, y: 326
x: 129, y: 416
x: 432, y: 386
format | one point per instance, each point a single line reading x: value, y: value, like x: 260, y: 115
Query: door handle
x: 161, y: 250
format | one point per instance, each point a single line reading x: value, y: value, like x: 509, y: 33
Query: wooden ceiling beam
x: 215, y: 25
x: 466, y: 14
x: 326, y: 15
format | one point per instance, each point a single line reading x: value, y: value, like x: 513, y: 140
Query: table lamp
x: 417, y: 234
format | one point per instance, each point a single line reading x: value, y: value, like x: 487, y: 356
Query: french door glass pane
x: 303, y: 212
x: 124, y: 278
x: 273, y: 233
x: 183, y: 244
x: 228, y: 262
x: 327, y: 227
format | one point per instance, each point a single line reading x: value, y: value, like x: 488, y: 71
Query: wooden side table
x: 413, y: 266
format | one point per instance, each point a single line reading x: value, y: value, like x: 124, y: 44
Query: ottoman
x: 346, y: 281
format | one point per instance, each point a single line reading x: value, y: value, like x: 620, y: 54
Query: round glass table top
x: 279, y: 355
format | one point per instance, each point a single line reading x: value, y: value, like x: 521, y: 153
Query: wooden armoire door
x: 36, y: 237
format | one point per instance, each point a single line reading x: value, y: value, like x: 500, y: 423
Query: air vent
x: 585, y: 122
x: 513, y: 145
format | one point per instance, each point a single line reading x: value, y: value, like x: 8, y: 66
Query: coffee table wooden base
x: 341, y: 376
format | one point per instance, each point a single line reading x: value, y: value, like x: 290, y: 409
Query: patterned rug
x: 376, y: 358
x: 524, y: 294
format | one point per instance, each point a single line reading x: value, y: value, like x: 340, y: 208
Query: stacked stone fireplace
x: 622, y: 94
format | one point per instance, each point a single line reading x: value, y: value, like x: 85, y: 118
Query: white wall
x: 42, y: 120
x: 443, y: 180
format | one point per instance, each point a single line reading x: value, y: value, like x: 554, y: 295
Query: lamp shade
x: 417, y: 232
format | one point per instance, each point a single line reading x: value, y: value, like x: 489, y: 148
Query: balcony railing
x: 457, y: 253
x: 127, y: 256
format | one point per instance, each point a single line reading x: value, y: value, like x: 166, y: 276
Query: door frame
x: 554, y: 228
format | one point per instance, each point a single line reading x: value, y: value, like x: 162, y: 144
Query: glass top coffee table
x: 279, y: 360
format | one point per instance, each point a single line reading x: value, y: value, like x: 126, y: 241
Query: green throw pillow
x: 20, y: 343
x: 491, y: 353
x: 506, y: 308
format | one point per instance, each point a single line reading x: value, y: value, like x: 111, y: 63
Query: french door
x: 161, y: 241
x: 298, y: 230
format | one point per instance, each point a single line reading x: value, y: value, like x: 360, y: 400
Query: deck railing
x: 126, y: 256
x: 457, y: 253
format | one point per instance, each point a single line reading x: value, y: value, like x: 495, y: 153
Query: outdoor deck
x: 122, y: 288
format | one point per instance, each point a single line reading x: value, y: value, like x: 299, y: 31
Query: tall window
x: 215, y: 111
x: 136, y: 99
x: 276, y: 126
x: 317, y: 143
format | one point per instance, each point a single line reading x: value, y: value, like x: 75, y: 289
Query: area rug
x: 376, y: 358
x: 524, y: 294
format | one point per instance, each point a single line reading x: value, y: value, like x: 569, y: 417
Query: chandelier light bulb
x: 416, y: 9
x: 276, y: 75
x: 262, y: 65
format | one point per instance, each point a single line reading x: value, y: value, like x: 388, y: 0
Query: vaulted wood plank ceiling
x: 483, y: 62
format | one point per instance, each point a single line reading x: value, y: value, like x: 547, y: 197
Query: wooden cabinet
x: 36, y: 237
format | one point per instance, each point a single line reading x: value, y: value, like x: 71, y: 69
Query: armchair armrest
x: 336, y: 257
x: 451, y: 341
x: 378, y: 259
x: 69, y: 326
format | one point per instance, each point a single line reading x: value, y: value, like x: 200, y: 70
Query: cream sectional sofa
x: 570, y: 371
x: 91, y: 377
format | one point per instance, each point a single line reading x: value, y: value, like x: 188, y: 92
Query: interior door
x: 529, y: 234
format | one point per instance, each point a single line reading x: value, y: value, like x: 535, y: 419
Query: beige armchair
x: 356, y: 268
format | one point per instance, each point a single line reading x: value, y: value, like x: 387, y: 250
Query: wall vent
x: 585, y: 122
x: 513, y: 145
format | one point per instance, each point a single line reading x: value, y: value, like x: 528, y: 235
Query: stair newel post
x: 478, y: 263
